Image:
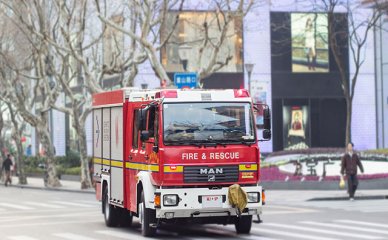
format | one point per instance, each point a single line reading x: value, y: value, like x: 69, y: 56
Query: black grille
x: 202, y: 174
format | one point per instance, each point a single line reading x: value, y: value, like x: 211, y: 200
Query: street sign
x: 185, y: 80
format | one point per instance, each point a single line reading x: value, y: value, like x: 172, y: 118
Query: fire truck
x: 170, y: 156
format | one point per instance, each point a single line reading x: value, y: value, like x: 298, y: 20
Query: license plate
x: 211, y: 201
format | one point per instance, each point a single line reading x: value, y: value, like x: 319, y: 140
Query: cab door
x: 133, y: 156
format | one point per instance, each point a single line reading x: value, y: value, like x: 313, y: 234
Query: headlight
x: 253, y: 197
x: 170, y: 200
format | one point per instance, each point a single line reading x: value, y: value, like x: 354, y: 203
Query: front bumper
x: 190, y: 203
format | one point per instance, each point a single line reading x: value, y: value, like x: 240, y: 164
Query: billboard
x: 309, y: 39
x: 295, y: 127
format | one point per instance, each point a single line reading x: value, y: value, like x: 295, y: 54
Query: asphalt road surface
x: 27, y: 214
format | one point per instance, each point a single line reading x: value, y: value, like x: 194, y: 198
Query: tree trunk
x: 348, y: 120
x: 2, y: 154
x: 52, y: 176
x: 17, y: 134
x: 19, y: 157
x: 85, y: 172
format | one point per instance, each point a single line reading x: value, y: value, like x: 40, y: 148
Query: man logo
x: 211, y: 171
x: 211, y: 178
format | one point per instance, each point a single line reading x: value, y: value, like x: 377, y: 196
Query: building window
x: 201, y: 30
x: 114, y: 43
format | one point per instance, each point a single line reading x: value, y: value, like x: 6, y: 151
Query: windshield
x: 186, y: 123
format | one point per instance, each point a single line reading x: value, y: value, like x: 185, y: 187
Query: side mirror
x: 267, y: 118
x: 263, y: 116
x: 267, y: 134
x: 144, y: 135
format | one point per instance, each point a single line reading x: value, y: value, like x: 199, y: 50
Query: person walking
x: 350, y: 162
x: 7, y: 168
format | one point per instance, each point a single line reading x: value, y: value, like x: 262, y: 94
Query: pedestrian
x: 350, y: 162
x: 29, y: 151
x: 7, y: 168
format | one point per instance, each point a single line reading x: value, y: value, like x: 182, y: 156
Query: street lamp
x: 249, y: 68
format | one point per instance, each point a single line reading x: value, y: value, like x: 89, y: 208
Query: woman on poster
x: 310, y: 44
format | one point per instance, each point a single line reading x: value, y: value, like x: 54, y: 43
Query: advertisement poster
x: 259, y: 92
x: 310, y: 46
x: 295, y: 127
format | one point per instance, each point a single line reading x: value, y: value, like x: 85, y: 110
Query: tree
x: 2, y: 144
x: 78, y: 50
x: 17, y: 133
x: 74, y: 61
x: 358, y: 32
x: 25, y: 75
x: 157, y: 22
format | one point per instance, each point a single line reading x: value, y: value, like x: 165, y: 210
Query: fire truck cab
x: 170, y: 156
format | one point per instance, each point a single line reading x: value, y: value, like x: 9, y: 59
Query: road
x: 27, y: 214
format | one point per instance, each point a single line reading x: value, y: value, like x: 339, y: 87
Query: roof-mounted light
x: 241, y: 93
x: 167, y: 94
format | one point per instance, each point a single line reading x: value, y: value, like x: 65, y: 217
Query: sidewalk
x: 37, y: 183
x: 324, y: 195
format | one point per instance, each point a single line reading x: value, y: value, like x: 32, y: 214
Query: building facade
x: 294, y: 72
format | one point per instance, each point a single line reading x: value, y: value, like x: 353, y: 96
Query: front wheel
x: 243, y: 224
x: 111, y: 215
x: 146, y: 218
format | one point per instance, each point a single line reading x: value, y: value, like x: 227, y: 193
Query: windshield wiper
x: 183, y: 143
x: 239, y: 141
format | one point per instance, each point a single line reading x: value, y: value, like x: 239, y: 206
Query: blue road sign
x: 185, y: 80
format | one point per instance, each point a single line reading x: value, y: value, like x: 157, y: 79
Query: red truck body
x: 170, y: 155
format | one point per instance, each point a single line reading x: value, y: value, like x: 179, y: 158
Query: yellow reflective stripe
x: 106, y: 162
x: 178, y: 169
x: 116, y: 163
x: 142, y: 166
x: 243, y: 167
x: 97, y: 160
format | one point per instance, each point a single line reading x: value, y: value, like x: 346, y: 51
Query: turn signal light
x: 157, y: 200
x: 263, y: 197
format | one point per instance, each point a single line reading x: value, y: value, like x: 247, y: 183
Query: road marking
x: 72, y: 236
x: 290, y: 234
x: 363, y: 223
x: 256, y: 238
x: 90, y: 202
x: 71, y: 204
x: 15, y: 206
x: 18, y: 225
x: 320, y: 231
x: 123, y: 235
x: 43, y: 205
x: 267, y: 210
x: 22, y: 238
x: 370, y: 230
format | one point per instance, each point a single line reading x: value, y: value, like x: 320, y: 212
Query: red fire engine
x: 170, y: 156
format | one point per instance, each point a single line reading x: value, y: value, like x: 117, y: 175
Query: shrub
x: 72, y: 171
x: 72, y: 159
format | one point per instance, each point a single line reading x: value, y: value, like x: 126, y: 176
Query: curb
x: 377, y: 197
x: 89, y: 191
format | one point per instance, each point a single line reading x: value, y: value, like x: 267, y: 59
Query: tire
x: 125, y: 218
x: 146, y: 218
x: 111, y: 215
x: 243, y: 224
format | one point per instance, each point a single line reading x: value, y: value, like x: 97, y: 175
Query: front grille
x: 205, y: 174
